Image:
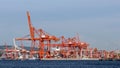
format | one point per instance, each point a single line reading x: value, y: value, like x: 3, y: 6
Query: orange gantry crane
x: 74, y: 46
x: 43, y: 38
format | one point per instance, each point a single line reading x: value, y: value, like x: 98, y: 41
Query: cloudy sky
x: 96, y: 21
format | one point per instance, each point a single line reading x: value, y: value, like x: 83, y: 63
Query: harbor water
x: 58, y: 64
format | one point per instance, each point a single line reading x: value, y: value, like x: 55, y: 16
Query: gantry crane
x: 42, y: 37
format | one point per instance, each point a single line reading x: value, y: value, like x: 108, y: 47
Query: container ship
x: 44, y: 46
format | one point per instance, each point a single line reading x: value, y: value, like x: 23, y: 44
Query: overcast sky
x: 96, y: 21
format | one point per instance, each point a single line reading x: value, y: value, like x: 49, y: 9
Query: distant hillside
x: 10, y: 46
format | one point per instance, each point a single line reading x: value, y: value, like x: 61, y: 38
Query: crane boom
x: 31, y: 28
